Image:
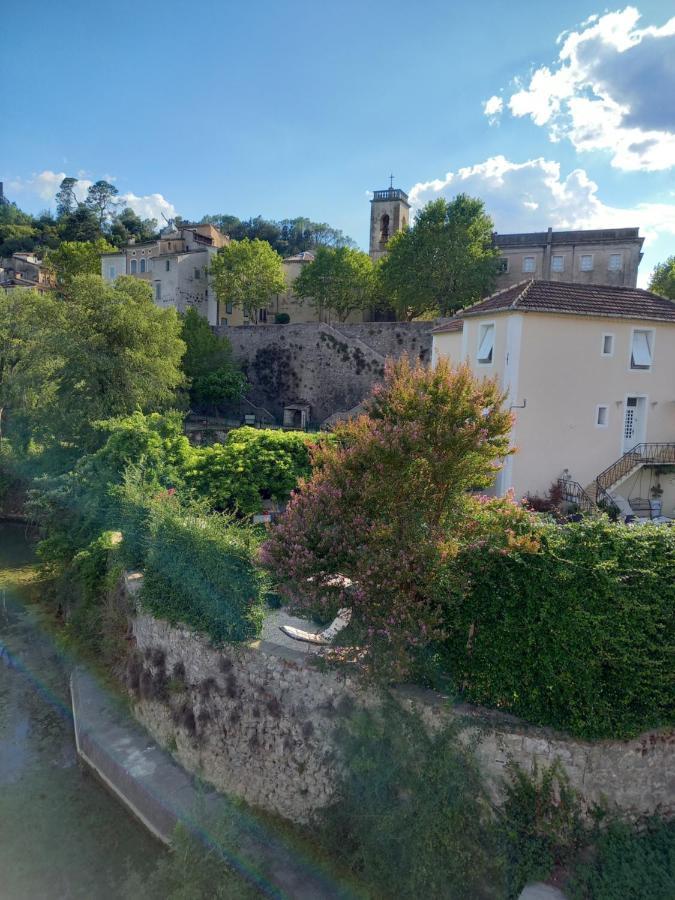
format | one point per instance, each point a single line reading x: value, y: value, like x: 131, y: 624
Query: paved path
x: 541, y: 891
x: 161, y: 794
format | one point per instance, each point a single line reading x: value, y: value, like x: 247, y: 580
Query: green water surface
x: 61, y: 834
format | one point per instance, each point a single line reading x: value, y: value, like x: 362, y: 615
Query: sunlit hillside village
x: 586, y: 359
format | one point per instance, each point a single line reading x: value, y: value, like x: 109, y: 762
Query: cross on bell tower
x: 389, y: 214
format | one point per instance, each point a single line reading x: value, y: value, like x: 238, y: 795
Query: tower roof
x: 390, y: 193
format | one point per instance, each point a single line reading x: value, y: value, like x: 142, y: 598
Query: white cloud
x: 493, y: 108
x: 612, y: 88
x: 150, y: 206
x: 45, y: 185
x: 533, y: 195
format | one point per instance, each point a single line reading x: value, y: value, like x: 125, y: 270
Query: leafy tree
x: 663, y: 279
x: 66, y: 201
x: 385, y: 501
x: 286, y: 236
x: 212, y: 375
x: 127, y: 224
x: 247, y: 273
x: 25, y: 369
x: 106, y: 353
x: 339, y: 279
x: 101, y: 200
x: 74, y: 258
x: 445, y: 261
x: 81, y: 225
x: 252, y: 465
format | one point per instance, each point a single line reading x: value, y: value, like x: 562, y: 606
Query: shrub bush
x: 200, y: 570
x: 412, y: 818
x: 574, y: 631
x: 253, y: 464
x: 626, y: 864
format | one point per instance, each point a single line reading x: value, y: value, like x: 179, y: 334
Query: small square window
x: 602, y: 416
x: 558, y: 264
x: 528, y: 264
x: 608, y: 345
x: 587, y: 262
x: 486, y: 343
x: 229, y: 308
x: 502, y: 266
x: 615, y: 262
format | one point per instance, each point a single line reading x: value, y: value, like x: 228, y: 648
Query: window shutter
x: 486, y: 344
x: 641, y: 357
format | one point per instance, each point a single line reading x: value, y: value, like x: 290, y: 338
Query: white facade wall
x: 556, y: 376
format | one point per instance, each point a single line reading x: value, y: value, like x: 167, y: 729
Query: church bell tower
x: 389, y: 213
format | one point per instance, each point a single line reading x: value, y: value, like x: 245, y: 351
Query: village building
x: 24, y: 270
x: 594, y: 256
x: 589, y: 373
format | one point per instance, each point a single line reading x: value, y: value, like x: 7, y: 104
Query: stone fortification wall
x: 258, y: 722
x: 331, y: 367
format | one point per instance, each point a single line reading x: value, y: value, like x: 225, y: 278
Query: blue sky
x: 299, y: 108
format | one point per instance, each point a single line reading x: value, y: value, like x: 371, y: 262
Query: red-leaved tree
x: 386, y: 502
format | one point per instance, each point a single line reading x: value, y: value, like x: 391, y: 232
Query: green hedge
x: 578, y: 635
x: 200, y: 570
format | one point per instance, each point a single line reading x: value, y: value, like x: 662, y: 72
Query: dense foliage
x: 286, y: 236
x: 412, y: 818
x: 246, y: 273
x: 252, y: 465
x: 384, y: 499
x: 339, y: 279
x: 444, y: 261
x: 106, y: 352
x: 74, y: 258
x: 662, y: 280
x: 213, y: 377
x: 200, y: 570
x: 574, y: 630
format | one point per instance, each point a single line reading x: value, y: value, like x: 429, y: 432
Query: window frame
x: 609, y: 262
x: 158, y: 291
x: 561, y: 257
x: 651, y: 340
x: 598, y: 423
x: 582, y: 257
x: 482, y: 328
x: 506, y: 268
x: 533, y: 270
x: 133, y: 267
x: 605, y: 335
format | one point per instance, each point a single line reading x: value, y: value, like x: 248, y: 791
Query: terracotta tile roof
x: 448, y: 326
x: 576, y: 299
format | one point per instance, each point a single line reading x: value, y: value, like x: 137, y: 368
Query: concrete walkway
x: 161, y: 794
x: 541, y: 891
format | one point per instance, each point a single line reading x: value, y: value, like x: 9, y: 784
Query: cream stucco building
x: 589, y: 374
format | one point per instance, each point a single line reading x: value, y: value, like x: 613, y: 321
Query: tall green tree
x: 247, y: 273
x: 105, y: 353
x: 212, y: 375
x: 73, y: 258
x: 127, y: 224
x: 66, y: 201
x: 26, y: 370
x: 339, y: 279
x: 81, y: 225
x: 101, y: 200
x: 663, y: 278
x: 443, y: 262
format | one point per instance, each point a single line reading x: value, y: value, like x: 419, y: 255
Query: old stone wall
x: 331, y: 367
x: 258, y: 722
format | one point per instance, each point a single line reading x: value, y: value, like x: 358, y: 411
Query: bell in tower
x: 389, y: 214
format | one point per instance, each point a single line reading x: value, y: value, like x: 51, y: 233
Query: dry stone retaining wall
x: 332, y: 367
x: 258, y: 721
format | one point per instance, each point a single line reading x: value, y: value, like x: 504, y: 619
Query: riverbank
x: 62, y: 834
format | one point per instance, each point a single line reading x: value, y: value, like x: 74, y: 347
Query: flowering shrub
x: 386, y: 502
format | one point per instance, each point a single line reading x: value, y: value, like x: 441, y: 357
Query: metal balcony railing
x: 641, y: 455
x: 572, y: 492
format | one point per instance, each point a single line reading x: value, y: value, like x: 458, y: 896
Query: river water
x: 61, y: 834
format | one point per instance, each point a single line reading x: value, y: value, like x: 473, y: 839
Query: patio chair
x: 636, y: 511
